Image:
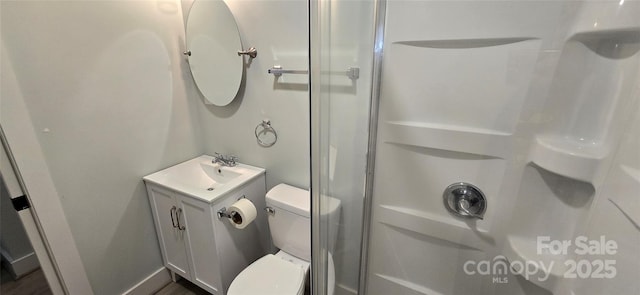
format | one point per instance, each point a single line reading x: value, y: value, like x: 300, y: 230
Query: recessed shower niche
x: 587, y: 103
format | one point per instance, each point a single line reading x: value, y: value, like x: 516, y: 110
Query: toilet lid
x: 269, y: 275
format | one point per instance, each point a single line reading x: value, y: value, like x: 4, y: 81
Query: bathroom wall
x: 278, y: 29
x: 111, y: 99
x: 114, y: 101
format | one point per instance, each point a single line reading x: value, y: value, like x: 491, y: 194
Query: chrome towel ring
x: 266, y: 128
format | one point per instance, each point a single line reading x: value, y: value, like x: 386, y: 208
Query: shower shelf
x: 569, y: 158
x: 464, y: 43
x: 492, y: 143
x: 427, y: 224
x: 524, y: 250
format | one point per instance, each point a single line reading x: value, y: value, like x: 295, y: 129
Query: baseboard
x: 151, y: 284
x: 344, y: 290
x: 19, y: 267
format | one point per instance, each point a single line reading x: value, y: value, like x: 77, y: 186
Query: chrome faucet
x: 229, y: 161
x: 465, y: 200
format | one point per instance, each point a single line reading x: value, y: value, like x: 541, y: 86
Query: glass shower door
x: 340, y: 77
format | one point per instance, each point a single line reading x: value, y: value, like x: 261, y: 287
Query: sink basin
x: 220, y: 174
x: 202, y: 179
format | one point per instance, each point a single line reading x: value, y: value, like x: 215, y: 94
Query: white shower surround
x: 491, y: 93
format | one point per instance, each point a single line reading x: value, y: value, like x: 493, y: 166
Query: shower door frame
x: 380, y: 10
x: 319, y: 228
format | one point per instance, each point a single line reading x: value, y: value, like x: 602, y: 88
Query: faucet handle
x: 465, y: 200
x: 229, y: 160
x: 217, y: 158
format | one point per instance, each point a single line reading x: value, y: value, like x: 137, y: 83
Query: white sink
x: 201, y: 179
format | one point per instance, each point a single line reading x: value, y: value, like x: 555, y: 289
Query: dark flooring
x: 33, y: 283
x: 182, y: 287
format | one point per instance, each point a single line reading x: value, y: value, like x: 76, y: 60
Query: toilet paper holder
x: 223, y: 212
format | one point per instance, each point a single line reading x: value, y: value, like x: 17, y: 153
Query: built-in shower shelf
x: 463, y: 139
x: 523, y: 250
x: 569, y: 158
x: 428, y: 224
x: 410, y: 287
x: 464, y: 43
x: 615, y: 44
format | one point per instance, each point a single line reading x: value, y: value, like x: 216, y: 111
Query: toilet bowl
x: 285, y: 272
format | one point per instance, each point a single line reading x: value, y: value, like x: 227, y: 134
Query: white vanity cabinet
x: 200, y: 247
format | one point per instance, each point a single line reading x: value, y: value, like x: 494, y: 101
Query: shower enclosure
x: 533, y: 105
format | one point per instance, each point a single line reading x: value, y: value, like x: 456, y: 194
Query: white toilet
x: 285, y: 272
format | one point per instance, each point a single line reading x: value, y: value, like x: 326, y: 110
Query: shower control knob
x: 465, y: 200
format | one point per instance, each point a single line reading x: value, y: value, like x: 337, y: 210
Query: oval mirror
x: 213, y: 42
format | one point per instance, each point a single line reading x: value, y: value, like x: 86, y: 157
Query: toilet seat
x: 269, y: 275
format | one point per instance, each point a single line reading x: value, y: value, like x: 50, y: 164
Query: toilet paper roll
x: 242, y: 212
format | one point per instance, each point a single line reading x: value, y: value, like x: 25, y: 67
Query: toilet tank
x: 290, y: 222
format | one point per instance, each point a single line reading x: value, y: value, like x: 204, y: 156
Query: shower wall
x: 529, y: 101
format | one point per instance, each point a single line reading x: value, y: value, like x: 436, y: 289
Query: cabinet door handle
x: 171, y: 212
x: 178, y: 214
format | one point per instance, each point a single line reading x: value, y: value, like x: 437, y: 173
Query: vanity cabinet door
x: 165, y: 210
x: 201, y: 244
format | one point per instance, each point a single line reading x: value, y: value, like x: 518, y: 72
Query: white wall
x: 114, y: 100
x: 17, y: 125
x: 278, y: 29
x: 105, y: 85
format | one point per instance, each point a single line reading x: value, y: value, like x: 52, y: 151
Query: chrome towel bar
x: 352, y: 72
